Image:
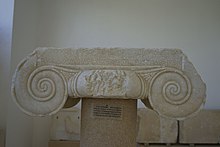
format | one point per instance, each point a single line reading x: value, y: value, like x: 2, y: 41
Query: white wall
x: 20, y: 126
x: 6, y: 16
x: 191, y: 25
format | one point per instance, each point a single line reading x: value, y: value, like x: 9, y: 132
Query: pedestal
x: 108, y: 123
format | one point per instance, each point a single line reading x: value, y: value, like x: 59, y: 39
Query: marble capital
x: 164, y: 79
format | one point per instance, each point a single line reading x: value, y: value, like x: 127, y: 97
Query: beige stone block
x: 164, y: 78
x: 108, y: 123
x: 53, y: 143
x: 153, y: 128
x: 65, y: 125
x: 203, y: 128
x: 2, y: 138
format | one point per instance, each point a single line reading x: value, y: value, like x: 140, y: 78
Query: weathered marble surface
x: 153, y: 128
x: 203, y: 128
x: 164, y: 79
x: 108, y: 123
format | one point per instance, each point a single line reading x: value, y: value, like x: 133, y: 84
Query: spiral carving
x: 41, y: 83
x: 46, y: 91
x: 170, y: 93
x: 172, y: 86
x: 43, y: 90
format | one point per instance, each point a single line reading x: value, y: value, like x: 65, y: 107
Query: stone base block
x: 108, y: 123
x: 66, y: 125
x: 203, y: 128
x: 153, y: 128
x: 64, y: 144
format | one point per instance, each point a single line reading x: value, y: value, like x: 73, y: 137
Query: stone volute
x: 163, y: 79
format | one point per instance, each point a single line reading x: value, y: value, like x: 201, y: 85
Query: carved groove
x: 72, y: 85
x: 172, y: 86
x: 44, y: 90
x: 42, y: 83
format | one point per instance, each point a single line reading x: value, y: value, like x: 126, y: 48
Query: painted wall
x: 20, y: 126
x: 191, y: 25
x: 6, y: 17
